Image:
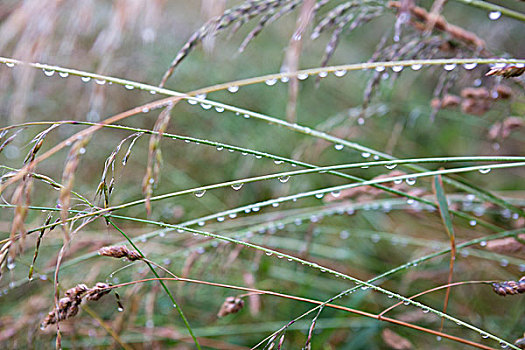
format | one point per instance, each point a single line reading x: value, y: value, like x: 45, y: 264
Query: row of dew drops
x: 233, y: 89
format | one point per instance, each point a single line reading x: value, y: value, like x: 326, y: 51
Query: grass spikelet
x: 507, y: 70
x: 155, y: 156
x: 68, y: 177
x: 120, y: 252
x: 509, y: 287
x: 231, y: 305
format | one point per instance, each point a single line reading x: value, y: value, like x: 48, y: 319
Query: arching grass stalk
x: 358, y: 282
x: 161, y: 281
x: 271, y: 120
x: 398, y: 269
x: 323, y: 191
x: 307, y: 165
x: 292, y: 297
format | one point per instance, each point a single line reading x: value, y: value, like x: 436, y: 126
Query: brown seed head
x: 230, y: 306
x: 120, y: 252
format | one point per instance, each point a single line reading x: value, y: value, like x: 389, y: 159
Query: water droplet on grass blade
x: 85, y: 79
x: 205, y: 106
x: 48, y: 72
x: 233, y: 89
x: 470, y: 66
x: 302, y: 76
x: 416, y: 66
x: 100, y: 81
x: 410, y: 181
x: 397, y: 69
x: 365, y: 154
x: 219, y: 109
x: 199, y: 193
x: 449, y: 67
x: 323, y: 74
x: 339, y: 147
x: 494, y: 15
x: 284, y: 178
x: 390, y: 166
x: 380, y: 69
x: 129, y: 87
x: 10, y: 64
x: 340, y: 73
x: 237, y: 186
x: 484, y: 170
x: 271, y: 82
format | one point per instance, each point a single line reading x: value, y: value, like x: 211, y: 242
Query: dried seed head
x: 504, y: 92
x: 77, y: 292
x: 476, y: 93
x: 507, y: 71
x: 120, y: 252
x: 509, y: 287
x: 98, y: 291
x: 230, y: 306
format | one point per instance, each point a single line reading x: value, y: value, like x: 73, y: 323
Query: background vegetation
x: 258, y: 225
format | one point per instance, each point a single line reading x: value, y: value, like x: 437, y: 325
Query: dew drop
x: 152, y: 92
x: 339, y: 147
x: 233, y: 89
x: 220, y: 218
x: 219, y: 109
x: 425, y: 310
x: 302, y: 76
x: 48, y: 72
x: 504, y: 262
x: 82, y: 150
x: 285, y: 79
x: 380, y: 69
x: 205, y: 106
x: 162, y: 234
x: 470, y: 66
x: 344, y: 234
x: 255, y: 209
x: 284, y: 178
x: 192, y: 102
x: 10, y: 64
x: 319, y: 195
x: 269, y: 253
x: 522, y: 267
x: 449, y: 67
x: 271, y: 82
x: 365, y: 154
x: 335, y: 193
x: 410, y: 201
x: 129, y: 87
x: 277, y: 162
x: 483, y: 243
x: 85, y: 79
x: 258, y: 156
x: 340, y: 73
x: 63, y: 74
x: 416, y: 66
x: 237, y: 186
x: 472, y: 222
x: 397, y: 69
x: 410, y: 181
x: 275, y: 205
x: 145, y: 110
x: 201, y: 223
x: 494, y: 15
x: 200, y: 96
x: 246, y: 116
x: 100, y: 81
x: 323, y: 74
x: 438, y: 338
x: 503, y: 345
x: 220, y: 148
x: 484, y: 170
x: 199, y: 193
x: 390, y: 166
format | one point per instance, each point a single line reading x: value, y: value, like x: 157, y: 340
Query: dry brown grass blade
x: 155, y: 156
x: 293, y: 53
